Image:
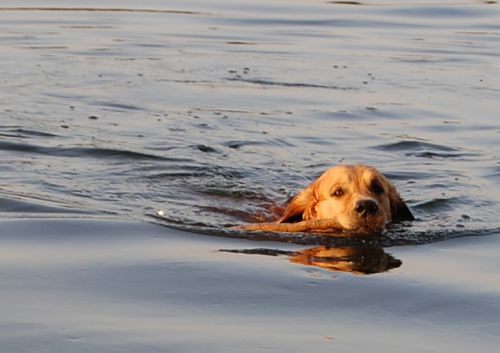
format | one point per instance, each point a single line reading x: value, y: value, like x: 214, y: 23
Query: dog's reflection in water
x: 357, y: 260
x: 364, y: 260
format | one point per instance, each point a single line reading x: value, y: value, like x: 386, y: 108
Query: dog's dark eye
x: 338, y: 192
x: 377, y: 188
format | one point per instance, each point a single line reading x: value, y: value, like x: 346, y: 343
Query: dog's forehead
x: 369, y: 174
x: 350, y: 174
x: 351, y: 171
x: 340, y: 174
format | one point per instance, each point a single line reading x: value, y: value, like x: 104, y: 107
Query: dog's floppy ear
x: 301, y: 207
x: 399, y: 210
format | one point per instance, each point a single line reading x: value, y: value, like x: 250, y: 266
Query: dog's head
x: 359, y: 197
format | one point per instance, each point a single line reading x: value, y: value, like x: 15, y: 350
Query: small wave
x: 414, y: 146
x: 103, y: 9
x: 206, y: 149
x: 113, y: 154
x: 83, y: 152
x: 428, y: 154
x: 11, y: 205
x: 289, y: 84
x: 194, y: 171
x: 439, y: 204
x: 322, y: 22
x: 345, y: 3
x: 237, y: 144
x: 405, y: 176
x: 178, y: 175
x: 117, y: 106
x: 19, y: 132
x: 440, y: 12
x: 45, y: 47
x: 424, y: 150
x: 397, y: 235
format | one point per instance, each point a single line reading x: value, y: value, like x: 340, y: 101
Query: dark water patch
x: 17, y: 206
x: 494, y: 173
x: 236, y: 214
x: 22, y: 133
x: 17, y: 37
x: 204, y: 82
x: 422, y: 59
x: 88, y: 27
x: 45, y: 47
x: 356, y: 3
x: 328, y: 23
x: 479, y: 33
x: 437, y: 205
x: 341, y: 116
x: 152, y: 45
x: 422, y: 149
x: 409, y: 176
x: 32, y: 133
x: 261, y: 82
x: 179, y: 175
x: 117, y: 106
x: 372, y: 114
x: 237, y: 144
x: 195, y: 171
x: 240, y: 144
x: 112, y: 154
x: 414, y: 146
x: 235, y: 194
x: 431, y: 155
x: 316, y: 140
x: 259, y: 251
x: 401, y: 237
x: 103, y: 9
x: 439, y: 12
x: 234, y: 42
x: 22, y: 147
x: 206, y: 149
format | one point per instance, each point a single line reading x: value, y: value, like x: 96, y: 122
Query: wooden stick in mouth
x: 319, y: 225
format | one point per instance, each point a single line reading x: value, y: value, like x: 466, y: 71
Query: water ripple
x: 414, y: 146
x: 424, y: 150
x: 82, y: 152
x: 262, y: 82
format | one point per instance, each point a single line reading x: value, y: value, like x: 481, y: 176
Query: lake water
x: 217, y: 112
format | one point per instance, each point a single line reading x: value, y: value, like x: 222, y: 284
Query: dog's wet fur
x: 358, y: 197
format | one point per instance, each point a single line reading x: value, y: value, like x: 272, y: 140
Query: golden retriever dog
x: 356, y: 198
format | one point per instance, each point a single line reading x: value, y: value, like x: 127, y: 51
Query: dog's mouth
x: 366, y: 225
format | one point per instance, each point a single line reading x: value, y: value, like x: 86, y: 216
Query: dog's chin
x: 365, y: 226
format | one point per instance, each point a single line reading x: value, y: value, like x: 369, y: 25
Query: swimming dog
x: 355, y: 198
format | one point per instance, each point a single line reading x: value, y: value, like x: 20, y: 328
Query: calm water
x: 217, y: 111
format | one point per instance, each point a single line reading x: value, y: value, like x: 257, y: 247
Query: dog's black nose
x: 366, y: 207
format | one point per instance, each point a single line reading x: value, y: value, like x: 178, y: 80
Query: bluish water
x: 218, y: 112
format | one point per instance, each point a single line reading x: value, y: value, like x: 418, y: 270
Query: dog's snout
x: 366, y: 207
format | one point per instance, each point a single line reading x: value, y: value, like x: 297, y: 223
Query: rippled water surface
x: 218, y: 112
